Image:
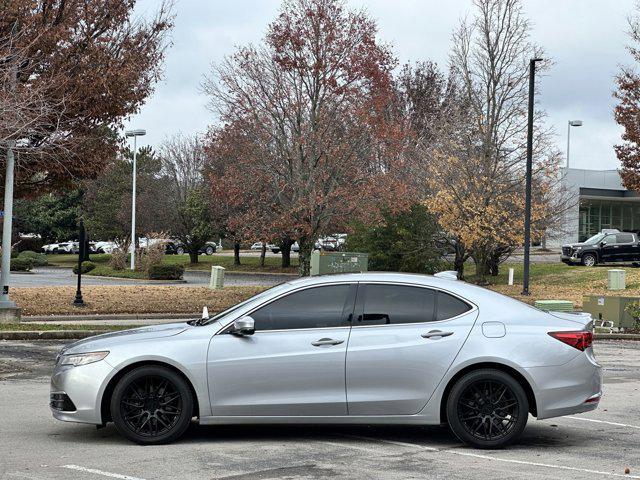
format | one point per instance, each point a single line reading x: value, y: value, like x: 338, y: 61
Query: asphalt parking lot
x: 34, y: 446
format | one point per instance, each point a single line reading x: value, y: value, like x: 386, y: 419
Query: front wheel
x: 180, y: 251
x: 487, y: 409
x: 589, y: 260
x: 152, y: 405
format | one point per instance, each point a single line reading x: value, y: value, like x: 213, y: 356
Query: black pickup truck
x: 610, y: 246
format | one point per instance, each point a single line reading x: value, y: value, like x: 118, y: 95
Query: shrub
x: 633, y: 309
x: 120, y: 256
x: 38, y: 259
x: 30, y: 244
x: 21, y: 264
x: 86, y: 267
x: 166, y: 272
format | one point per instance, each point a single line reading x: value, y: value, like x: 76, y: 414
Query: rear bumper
x: 574, y: 387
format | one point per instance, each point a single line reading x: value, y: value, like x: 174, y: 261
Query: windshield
x: 595, y: 239
x: 226, y: 312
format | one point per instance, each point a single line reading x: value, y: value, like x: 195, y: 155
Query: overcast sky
x: 585, y: 38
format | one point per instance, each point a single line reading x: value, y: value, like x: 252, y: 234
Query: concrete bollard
x: 217, y: 277
x: 511, y: 276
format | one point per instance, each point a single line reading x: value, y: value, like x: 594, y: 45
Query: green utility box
x: 609, y: 308
x: 616, y: 279
x: 326, y: 263
x: 554, y: 305
x: 217, y: 277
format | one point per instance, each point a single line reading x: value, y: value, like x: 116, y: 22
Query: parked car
x: 61, y: 247
x: 367, y: 348
x: 105, y: 247
x: 294, y: 248
x: 608, y: 246
x: 258, y: 246
x: 176, y: 247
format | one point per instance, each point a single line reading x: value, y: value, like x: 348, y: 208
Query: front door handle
x: 436, y: 333
x: 326, y: 341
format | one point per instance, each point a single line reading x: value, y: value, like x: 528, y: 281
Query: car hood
x: 573, y: 245
x: 107, y: 340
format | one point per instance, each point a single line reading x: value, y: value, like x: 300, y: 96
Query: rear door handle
x: 436, y: 333
x: 326, y: 341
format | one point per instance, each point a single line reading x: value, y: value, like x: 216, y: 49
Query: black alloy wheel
x: 152, y: 405
x: 487, y: 409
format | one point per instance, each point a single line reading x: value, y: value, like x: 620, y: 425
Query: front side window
x: 316, y: 307
x: 610, y: 239
x: 395, y: 304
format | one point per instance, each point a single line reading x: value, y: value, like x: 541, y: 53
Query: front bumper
x: 80, y: 388
x: 574, y: 387
x: 569, y: 260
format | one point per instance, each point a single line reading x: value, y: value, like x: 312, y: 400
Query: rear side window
x: 624, y: 238
x: 395, y: 304
x: 316, y: 307
x: 450, y: 306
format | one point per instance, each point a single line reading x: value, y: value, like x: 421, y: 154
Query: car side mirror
x: 603, y: 243
x: 244, y: 326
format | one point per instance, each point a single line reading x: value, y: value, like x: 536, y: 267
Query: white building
x: 598, y: 201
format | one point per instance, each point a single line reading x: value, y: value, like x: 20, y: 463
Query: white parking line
x: 602, y: 421
x: 491, y: 458
x: 100, y: 472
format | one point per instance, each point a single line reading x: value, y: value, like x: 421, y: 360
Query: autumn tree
x: 312, y: 102
x: 183, y: 161
x: 71, y: 71
x: 627, y: 112
x: 477, y: 180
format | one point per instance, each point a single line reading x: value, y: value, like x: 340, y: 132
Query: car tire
x: 209, y: 250
x: 487, y: 408
x: 156, y: 394
x: 180, y: 251
x: 275, y: 250
x: 589, y: 260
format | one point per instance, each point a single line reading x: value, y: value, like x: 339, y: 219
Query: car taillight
x: 580, y: 340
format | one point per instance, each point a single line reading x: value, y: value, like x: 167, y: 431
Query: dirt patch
x: 128, y: 299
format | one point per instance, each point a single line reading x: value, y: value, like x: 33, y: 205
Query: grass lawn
x: 557, y: 281
x: 135, y: 299
x: 205, y: 262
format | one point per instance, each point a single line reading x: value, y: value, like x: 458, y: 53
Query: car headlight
x: 77, y: 359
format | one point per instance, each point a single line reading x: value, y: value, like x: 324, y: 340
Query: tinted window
x: 311, y: 308
x: 609, y: 239
x: 450, y: 306
x: 624, y: 238
x: 393, y: 304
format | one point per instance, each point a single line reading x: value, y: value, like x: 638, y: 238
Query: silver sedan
x: 371, y: 348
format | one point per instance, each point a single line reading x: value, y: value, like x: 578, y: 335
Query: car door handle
x: 436, y: 333
x: 326, y: 341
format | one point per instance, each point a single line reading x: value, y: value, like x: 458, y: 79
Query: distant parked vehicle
x: 105, y: 247
x: 176, y: 247
x: 61, y: 247
x: 258, y: 246
x: 294, y: 248
x: 608, y: 246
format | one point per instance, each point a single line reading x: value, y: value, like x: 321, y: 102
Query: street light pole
x: 135, y: 134
x: 527, y: 201
x: 7, y: 220
x: 571, y: 123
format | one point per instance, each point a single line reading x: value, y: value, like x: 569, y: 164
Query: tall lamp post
x: 571, y: 123
x: 135, y: 134
x: 527, y: 201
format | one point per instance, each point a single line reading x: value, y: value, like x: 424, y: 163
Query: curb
x: 155, y: 282
x: 49, y: 334
x: 616, y: 336
x: 115, y: 316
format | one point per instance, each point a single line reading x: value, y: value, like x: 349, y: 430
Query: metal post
x: 133, y: 208
x: 78, y: 301
x: 7, y: 221
x: 568, y: 140
x: 527, y: 204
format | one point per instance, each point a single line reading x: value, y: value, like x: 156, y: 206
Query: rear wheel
x: 209, y: 250
x: 487, y: 409
x: 589, y: 260
x: 152, y: 405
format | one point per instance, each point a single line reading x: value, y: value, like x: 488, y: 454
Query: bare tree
x: 183, y: 162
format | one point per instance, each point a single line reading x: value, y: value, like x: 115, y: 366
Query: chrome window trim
x: 282, y: 295
x: 473, y: 306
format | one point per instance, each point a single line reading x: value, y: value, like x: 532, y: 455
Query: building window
x: 596, y: 215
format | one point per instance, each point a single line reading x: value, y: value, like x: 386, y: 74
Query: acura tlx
x: 370, y: 348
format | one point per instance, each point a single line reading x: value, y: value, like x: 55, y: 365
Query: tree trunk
x: 458, y: 262
x: 263, y: 253
x: 193, y: 255
x: 236, y: 253
x: 481, y: 260
x: 285, y: 249
x: 304, y: 256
